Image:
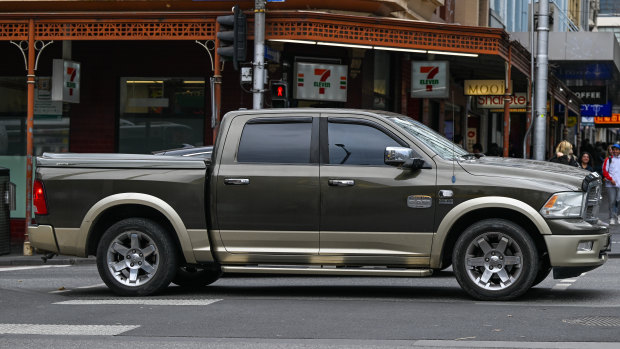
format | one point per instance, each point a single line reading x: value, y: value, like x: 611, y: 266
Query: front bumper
x: 565, y: 251
x: 42, y: 237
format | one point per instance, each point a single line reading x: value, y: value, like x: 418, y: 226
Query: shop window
x: 159, y: 113
x: 51, y: 126
x: 382, y: 81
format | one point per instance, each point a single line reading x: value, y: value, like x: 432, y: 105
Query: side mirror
x: 397, y: 156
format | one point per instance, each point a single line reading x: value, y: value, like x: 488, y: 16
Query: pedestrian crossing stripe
x: 66, y: 330
x: 138, y: 301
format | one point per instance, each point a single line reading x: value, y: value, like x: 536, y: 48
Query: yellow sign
x: 571, y: 121
x: 485, y: 87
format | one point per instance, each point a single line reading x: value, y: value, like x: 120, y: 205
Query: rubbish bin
x: 7, y: 200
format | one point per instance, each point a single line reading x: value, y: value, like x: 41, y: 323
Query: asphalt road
x: 68, y: 306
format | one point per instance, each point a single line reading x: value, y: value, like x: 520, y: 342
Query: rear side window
x: 279, y: 142
x: 355, y: 144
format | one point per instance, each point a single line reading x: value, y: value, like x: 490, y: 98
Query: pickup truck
x: 320, y: 192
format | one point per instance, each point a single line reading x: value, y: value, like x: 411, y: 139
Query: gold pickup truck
x: 321, y: 192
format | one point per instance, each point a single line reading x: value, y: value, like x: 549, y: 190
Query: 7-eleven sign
x: 430, y: 79
x: 66, y: 81
x: 324, y: 82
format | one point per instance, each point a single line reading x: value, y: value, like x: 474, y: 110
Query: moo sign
x: 517, y: 101
x: 485, y: 87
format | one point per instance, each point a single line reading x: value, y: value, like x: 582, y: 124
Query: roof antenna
x: 453, y: 121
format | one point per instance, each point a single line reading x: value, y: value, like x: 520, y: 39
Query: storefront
x: 144, y: 78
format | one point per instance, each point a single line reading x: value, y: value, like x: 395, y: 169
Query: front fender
x: 480, y: 203
x: 138, y: 199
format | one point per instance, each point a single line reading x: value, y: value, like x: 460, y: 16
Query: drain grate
x: 601, y: 321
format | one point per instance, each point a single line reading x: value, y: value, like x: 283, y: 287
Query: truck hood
x: 551, y: 175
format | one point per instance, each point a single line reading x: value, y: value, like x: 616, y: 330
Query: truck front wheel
x: 495, y: 259
x: 136, y: 257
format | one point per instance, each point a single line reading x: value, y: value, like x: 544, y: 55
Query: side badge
x: 419, y: 201
x: 446, y: 197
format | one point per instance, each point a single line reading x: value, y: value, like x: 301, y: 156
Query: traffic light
x: 279, y: 94
x: 233, y: 37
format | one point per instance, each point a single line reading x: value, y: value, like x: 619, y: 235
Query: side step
x: 327, y: 270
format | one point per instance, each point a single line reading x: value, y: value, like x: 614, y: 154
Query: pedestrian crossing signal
x: 279, y: 91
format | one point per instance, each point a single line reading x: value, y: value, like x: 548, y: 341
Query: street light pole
x: 259, y: 54
x: 542, y: 62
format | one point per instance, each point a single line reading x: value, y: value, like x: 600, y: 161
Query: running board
x: 328, y: 270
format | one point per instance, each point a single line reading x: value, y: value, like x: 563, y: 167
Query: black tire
x: 193, y: 277
x: 544, y: 270
x: 136, y: 257
x: 495, y: 259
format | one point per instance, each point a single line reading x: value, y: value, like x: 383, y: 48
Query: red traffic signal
x: 279, y: 91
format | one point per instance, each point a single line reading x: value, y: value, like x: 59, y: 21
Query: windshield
x: 438, y: 143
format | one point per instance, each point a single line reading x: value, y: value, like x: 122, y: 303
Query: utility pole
x: 542, y: 62
x: 259, y: 54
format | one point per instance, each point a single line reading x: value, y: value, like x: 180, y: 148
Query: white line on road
x: 92, y: 286
x: 134, y: 301
x: 560, y: 287
x: 32, y: 267
x: 66, y: 330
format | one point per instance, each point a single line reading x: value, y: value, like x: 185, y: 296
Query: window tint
x: 355, y: 144
x: 276, y: 143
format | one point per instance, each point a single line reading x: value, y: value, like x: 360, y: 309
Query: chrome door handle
x: 236, y: 181
x: 341, y: 182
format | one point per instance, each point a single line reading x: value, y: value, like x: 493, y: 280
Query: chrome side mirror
x: 397, y: 156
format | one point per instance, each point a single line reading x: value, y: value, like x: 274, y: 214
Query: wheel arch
x: 116, y: 207
x: 471, y: 211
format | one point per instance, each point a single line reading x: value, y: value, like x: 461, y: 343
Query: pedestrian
x: 585, y: 161
x: 564, y: 154
x: 611, y: 173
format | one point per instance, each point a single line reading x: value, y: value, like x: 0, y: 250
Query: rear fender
x: 138, y: 199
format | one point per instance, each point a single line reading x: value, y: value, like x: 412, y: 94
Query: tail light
x: 38, y: 198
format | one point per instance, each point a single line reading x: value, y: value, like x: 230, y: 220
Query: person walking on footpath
x: 611, y: 173
x: 585, y: 161
x: 564, y: 154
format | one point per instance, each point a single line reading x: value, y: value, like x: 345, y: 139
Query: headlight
x: 564, y: 205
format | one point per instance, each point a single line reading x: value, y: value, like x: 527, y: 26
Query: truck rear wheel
x: 495, y: 259
x: 136, y: 257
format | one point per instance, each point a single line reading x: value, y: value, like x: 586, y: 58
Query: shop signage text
x: 485, y: 87
x: 591, y: 94
x: 66, y: 81
x: 429, y: 79
x: 596, y: 109
x: 518, y: 100
x: 607, y: 120
x: 322, y: 82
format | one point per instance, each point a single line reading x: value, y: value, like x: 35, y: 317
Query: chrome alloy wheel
x: 494, y: 261
x: 133, y: 258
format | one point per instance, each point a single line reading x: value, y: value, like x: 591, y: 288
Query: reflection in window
x: 354, y: 144
x: 51, y: 127
x: 280, y: 143
x: 161, y: 113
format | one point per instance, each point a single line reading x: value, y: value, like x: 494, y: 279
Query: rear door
x: 369, y: 208
x: 268, y: 186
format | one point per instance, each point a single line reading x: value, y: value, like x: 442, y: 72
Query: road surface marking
x: 92, y: 286
x: 561, y: 286
x: 66, y: 330
x: 134, y: 301
x: 32, y: 267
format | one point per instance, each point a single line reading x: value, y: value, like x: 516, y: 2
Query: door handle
x: 341, y: 182
x: 236, y: 181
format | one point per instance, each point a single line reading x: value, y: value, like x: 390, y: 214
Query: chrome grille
x: 593, y: 201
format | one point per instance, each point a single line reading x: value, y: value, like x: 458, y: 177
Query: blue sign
x: 596, y: 109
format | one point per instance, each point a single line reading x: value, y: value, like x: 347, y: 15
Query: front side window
x: 160, y: 113
x: 281, y: 143
x: 357, y: 144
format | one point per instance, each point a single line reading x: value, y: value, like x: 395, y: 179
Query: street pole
x: 259, y: 54
x: 29, y: 141
x: 542, y: 60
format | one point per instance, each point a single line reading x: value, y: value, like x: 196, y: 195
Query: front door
x: 369, y: 208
